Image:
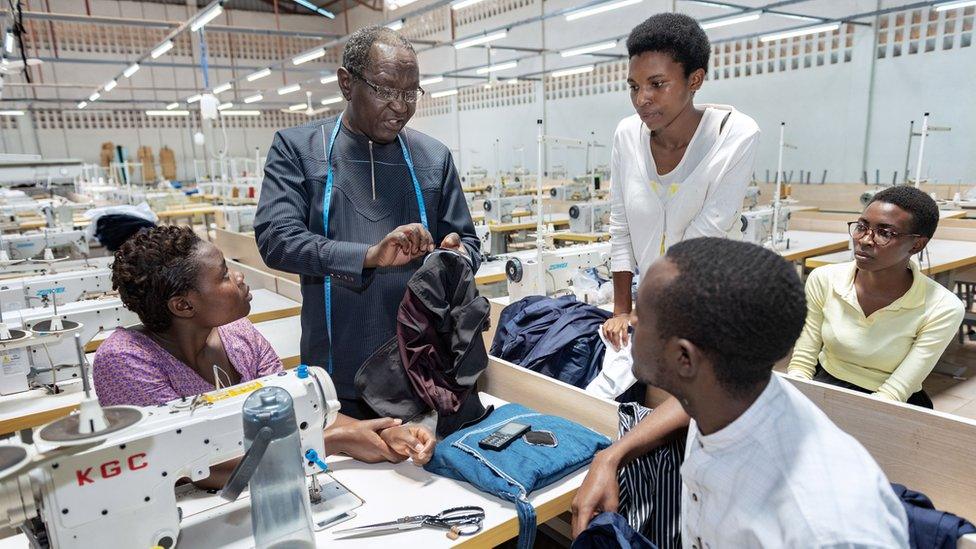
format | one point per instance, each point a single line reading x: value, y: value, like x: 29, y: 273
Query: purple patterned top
x: 132, y: 369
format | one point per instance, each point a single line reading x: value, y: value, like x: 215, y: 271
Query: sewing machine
x: 22, y: 292
x: 106, y: 477
x: 589, y: 217
x: 484, y: 235
x: 500, y: 210
x: 33, y: 243
x: 757, y: 225
x: 868, y: 196
x: 52, y: 358
x: 571, y: 192
x: 752, y: 197
x: 555, y: 271
x: 239, y: 219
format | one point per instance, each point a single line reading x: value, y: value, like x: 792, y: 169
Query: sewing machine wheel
x: 513, y: 270
x: 12, y: 457
x: 44, y: 327
x: 65, y: 430
x: 487, y: 205
x: 574, y: 212
x: 553, y: 192
x: 15, y: 335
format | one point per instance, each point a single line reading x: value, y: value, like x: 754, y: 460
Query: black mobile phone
x: 503, y: 436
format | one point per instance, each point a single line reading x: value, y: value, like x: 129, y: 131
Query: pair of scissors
x: 458, y: 521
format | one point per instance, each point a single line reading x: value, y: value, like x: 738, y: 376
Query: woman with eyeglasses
x: 878, y: 324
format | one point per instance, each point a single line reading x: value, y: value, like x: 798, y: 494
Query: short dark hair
x: 151, y: 267
x: 924, y: 210
x: 741, y: 304
x: 675, y: 34
x: 355, y: 55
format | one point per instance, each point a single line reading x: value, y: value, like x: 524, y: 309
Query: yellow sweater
x: 892, y: 351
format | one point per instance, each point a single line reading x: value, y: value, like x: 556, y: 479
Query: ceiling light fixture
x: 478, y: 40
x: 602, y: 8
x: 592, y: 48
x: 830, y: 27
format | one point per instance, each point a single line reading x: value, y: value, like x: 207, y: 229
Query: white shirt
x: 701, y: 144
x: 783, y: 475
x: 705, y: 202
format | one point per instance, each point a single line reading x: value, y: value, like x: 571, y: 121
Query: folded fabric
x: 929, y: 528
x: 611, y: 531
x: 515, y: 472
x: 557, y: 337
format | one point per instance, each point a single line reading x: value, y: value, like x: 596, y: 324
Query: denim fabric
x: 611, y: 531
x: 513, y: 473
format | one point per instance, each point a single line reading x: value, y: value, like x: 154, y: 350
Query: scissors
x: 458, y: 521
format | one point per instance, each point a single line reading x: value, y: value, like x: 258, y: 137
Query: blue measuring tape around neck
x: 327, y: 200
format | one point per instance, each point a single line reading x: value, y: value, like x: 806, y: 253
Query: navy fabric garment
x: 929, y: 528
x: 557, y: 337
x: 513, y: 473
x: 363, y: 210
x: 611, y: 531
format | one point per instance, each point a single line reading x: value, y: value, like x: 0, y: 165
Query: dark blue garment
x: 610, y: 531
x: 929, y: 528
x: 513, y: 473
x: 556, y: 337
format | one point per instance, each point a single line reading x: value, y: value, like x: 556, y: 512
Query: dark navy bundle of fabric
x: 929, y: 528
x: 557, y: 337
x: 515, y: 472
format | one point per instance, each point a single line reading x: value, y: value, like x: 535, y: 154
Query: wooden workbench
x: 566, y: 236
x: 800, y: 245
x: 943, y: 257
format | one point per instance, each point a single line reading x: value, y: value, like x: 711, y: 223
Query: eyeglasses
x: 389, y: 95
x: 881, y: 235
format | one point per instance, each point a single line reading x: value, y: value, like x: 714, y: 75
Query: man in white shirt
x: 764, y: 467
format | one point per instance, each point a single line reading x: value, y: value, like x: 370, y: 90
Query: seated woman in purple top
x: 194, y: 316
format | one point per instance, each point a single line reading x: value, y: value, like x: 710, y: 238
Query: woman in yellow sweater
x: 877, y: 324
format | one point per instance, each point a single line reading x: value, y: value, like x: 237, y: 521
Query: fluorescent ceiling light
x: 799, y: 32
x: 94, y: 97
x: 224, y: 106
x: 83, y: 104
x: 206, y: 17
x: 240, y: 113
x: 395, y: 25
x: 445, y: 93
x: 329, y: 79
x: 955, y: 5
x: 193, y: 98
x: 724, y: 22
x: 289, y: 89
x: 254, y: 98
x: 711, y: 4
x: 395, y: 4
x: 110, y: 85
x: 799, y: 17
x: 161, y: 49
x: 11, y: 113
x: 483, y: 39
x: 487, y: 86
x: 461, y: 4
x: 602, y: 8
x: 8, y: 42
x: 258, y: 74
x: 308, y: 56
x: 512, y: 81
x: 223, y: 87
x: 431, y: 80
x: 315, y: 8
x: 332, y: 100
x: 592, y: 48
x: 167, y: 113
x: 130, y: 70
x: 172, y: 106
x: 570, y: 72
x: 498, y: 67
x: 298, y: 107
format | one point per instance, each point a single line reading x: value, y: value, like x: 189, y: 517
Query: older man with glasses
x: 354, y: 202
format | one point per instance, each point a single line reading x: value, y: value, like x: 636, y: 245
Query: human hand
x: 361, y: 440
x: 453, y: 242
x: 413, y: 441
x: 401, y: 246
x: 599, y: 492
x: 615, y: 329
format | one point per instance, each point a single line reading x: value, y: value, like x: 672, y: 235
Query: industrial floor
x: 952, y: 395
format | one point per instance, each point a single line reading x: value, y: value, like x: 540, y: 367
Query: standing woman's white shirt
x: 702, y: 196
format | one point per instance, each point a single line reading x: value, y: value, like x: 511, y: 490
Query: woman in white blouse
x: 678, y: 170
